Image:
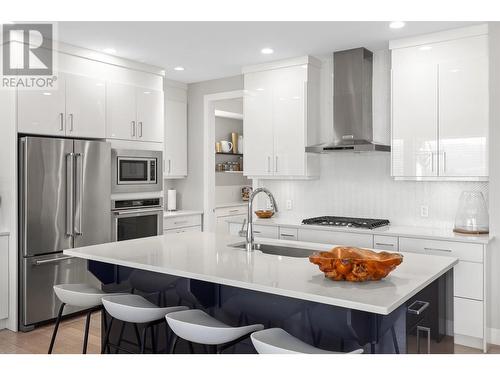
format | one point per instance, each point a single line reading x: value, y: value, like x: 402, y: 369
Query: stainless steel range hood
x: 352, y: 98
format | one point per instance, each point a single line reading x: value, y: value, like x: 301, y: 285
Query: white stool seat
x: 199, y: 327
x: 134, y: 308
x: 80, y: 295
x: 278, y: 341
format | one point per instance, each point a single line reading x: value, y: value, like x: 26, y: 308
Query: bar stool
x: 278, y: 341
x: 133, y: 308
x: 196, y: 326
x: 78, y: 295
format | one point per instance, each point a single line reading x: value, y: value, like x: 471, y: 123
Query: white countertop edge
x: 178, y: 213
x: 266, y: 289
x: 396, y: 230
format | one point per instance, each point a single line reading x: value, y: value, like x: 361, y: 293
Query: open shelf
x: 228, y: 153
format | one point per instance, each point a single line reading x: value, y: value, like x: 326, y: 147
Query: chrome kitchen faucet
x: 274, y: 207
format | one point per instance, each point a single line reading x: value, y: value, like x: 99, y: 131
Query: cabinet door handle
x: 61, y: 123
x: 256, y: 232
x: 169, y: 166
x: 181, y: 222
x: 384, y: 244
x: 140, y: 129
x: 133, y: 128
x: 444, y: 161
x: 268, y: 164
x: 276, y: 164
x: 432, y: 161
x: 287, y: 235
x: 437, y: 249
x: 233, y: 210
x: 70, y: 122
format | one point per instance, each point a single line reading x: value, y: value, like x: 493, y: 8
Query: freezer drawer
x: 38, y: 275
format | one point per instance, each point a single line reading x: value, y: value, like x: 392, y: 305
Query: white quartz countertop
x: 181, y: 213
x: 231, y: 204
x: 390, y: 230
x: 206, y: 256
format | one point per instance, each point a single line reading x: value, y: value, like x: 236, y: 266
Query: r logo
x: 27, y: 49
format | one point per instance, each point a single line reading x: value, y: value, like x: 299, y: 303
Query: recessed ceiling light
x: 425, y: 48
x: 179, y: 68
x: 397, y: 24
x: 47, y: 93
x: 109, y: 50
x: 147, y: 92
x: 266, y: 51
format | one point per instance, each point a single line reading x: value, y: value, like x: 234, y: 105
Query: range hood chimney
x: 352, y: 100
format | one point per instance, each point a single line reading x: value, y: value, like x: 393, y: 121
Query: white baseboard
x: 3, y: 323
x: 472, y: 342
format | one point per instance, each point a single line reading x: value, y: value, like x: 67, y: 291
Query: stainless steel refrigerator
x: 64, y: 202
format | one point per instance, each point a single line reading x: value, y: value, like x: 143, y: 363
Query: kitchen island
x: 205, y: 271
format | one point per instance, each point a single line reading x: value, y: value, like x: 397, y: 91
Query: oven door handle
x: 137, y: 212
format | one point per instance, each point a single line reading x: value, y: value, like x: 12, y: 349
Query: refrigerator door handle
x: 53, y: 260
x: 80, y: 184
x: 70, y: 198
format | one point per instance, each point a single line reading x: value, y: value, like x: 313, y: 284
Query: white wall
x: 494, y: 206
x: 190, y: 189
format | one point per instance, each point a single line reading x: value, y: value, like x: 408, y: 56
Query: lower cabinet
x: 182, y: 223
x: 265, y: 231
x: 4, y: 277
x: 223, y: 214
x: 468, y: 319
x: 335, y: 238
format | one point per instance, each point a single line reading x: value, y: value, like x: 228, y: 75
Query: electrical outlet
x: 289, y: 204
x: 424, y: 211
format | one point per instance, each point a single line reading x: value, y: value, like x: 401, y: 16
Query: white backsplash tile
x: 360, y: 185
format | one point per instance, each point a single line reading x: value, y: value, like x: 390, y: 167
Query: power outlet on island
x: 424, y: 211
x: 289, y: 204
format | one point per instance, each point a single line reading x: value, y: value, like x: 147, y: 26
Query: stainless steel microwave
x: 135, y: 171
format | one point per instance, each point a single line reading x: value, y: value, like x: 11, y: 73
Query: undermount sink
x: 277, y: 250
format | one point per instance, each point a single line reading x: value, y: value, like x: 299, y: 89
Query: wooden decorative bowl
x: 354, y: 264
x: 264, y: 214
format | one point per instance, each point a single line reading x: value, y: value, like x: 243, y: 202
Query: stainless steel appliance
x: 338, y: 221
x: 353, y: 115
x: 136, y: 171
x: 64, y: 202
x: 136, y: 218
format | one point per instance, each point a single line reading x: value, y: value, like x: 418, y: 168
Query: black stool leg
x: 153, y: 339
x: 56, y: 327
x: 86, y: 334
x: 106, y: 338
x: 173, y: 343
x: 395, y: 340
x: 143, y: 341
x: 191, y: 348
x: 120, y: 337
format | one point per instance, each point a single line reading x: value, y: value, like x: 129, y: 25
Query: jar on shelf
x: 472, y: 214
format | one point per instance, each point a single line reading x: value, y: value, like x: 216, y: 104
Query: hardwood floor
x: 70, y: 339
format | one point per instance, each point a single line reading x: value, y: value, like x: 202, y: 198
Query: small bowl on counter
x: 264, y: 214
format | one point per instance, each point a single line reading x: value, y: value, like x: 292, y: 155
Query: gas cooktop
x: 337, y: 221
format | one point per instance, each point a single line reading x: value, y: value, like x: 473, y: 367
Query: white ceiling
x: 209, y: 50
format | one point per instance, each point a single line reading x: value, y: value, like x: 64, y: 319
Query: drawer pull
x: 287, y: 235
x: 181, y: 222
x: 256, y: 231
x: 384, y: 244
x: 234, y: 210
x: 437, y: 249
x: 422, y: 306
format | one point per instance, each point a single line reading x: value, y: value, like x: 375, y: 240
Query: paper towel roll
x: 171, y: 200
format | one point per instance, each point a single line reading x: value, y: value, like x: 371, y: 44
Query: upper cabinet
x: 134, y: 113
x: 440, y: 106
x: 175, y: 164
x: 75, y: 109
x: 280, y: 117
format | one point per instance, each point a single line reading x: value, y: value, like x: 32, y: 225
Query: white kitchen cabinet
x: 265, y: 231
x: 414, y: 120
x: 85, y: 107
x: 463, y: 118
x: 440, y: 107
x: 175, y: 165
x: 468, y: 318
x: 389, y: 243
x: 223, y: 214
x: 280, y: 115
x: 4, y: 277
x: 75, y: 109
x: 121, y: 111
x: 150, y: 119
x: 290, y: 234
x: 335, y: 238
x: 257, y: 125
x: 42, y: 112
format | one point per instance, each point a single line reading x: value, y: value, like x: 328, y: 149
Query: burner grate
x: 338, y: 221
